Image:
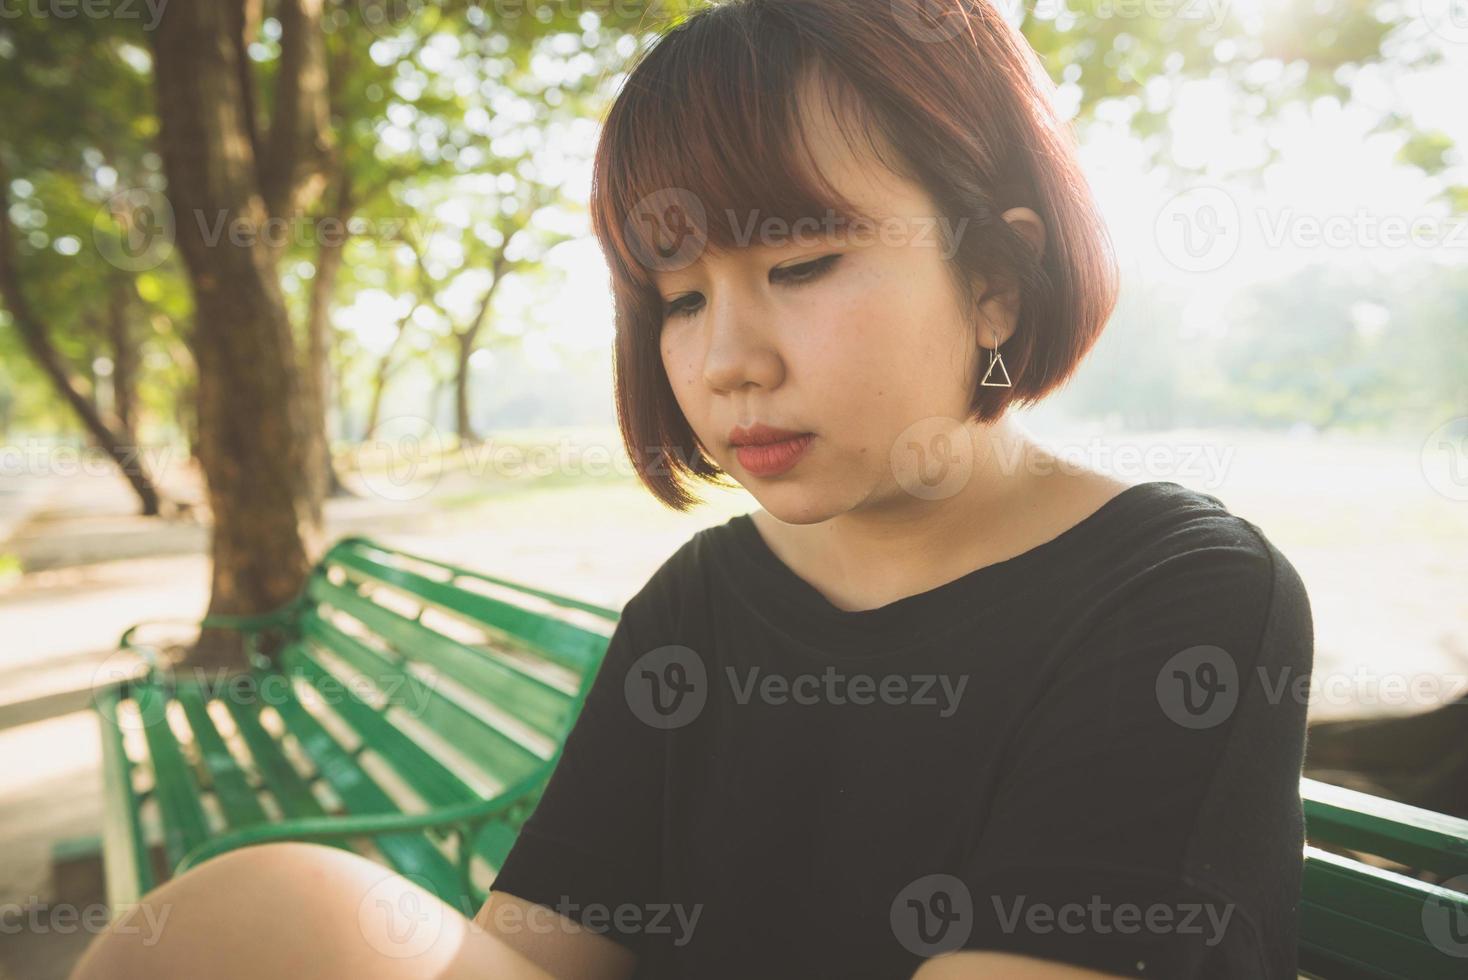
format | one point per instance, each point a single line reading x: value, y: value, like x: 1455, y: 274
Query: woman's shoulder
x: 1161, y: 517
x: 1183, y: 547
x: 1155, y: 540
x: 1178, y: 584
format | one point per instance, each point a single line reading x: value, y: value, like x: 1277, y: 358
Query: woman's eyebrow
x: 754, y: 253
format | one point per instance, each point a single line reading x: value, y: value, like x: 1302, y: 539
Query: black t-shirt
x: 1090, y: 753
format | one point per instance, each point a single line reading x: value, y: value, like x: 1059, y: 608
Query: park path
x: 20, y: 496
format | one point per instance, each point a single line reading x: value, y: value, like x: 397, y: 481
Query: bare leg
x: 292, y: 910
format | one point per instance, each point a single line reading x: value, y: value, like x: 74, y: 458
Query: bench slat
x: 409, y: 853
x: 542, y: 706
x: 233, y: 791
x: 1372, y: 918
x: 501, y: 756
x: 184, y: 822
x: 1342, y: 947
x: 124, y: 852
x: 1393, y: 902
x: 430, y: 778
x: 453, y: 573
x: 555, y: 639
x: 1410, y: 835
x: 290, y: 791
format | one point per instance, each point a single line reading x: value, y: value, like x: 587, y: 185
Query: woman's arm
x: 593, y: 841
x: 1158, y: 775
x: 984, y: 965
x: 556, y: 944
x: 565, y: 949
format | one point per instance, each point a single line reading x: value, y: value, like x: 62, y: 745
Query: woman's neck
x: 1017, y: 497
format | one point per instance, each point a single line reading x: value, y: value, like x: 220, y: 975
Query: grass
x: 10, y: 568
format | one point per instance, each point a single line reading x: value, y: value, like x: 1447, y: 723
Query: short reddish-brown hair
x: 958, y: 104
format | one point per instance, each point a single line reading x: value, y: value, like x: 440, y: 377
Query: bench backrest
x: 1380, y: 920
x: 408, y: 686
x: 463, y: 683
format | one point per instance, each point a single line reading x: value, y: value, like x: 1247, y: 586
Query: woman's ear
x: 999, y: 311
x: 1027, y: 224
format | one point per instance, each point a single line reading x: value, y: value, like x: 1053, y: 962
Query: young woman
x: 942, y: 707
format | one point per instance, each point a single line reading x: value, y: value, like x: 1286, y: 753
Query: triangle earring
x: 996, y: 359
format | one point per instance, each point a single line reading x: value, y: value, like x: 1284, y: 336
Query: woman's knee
x: 273, y: 859
x: 263, y: 911
x: 319, y: 887
x: 246, y: 909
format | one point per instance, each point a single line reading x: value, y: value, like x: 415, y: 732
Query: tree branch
x: 299, y: 148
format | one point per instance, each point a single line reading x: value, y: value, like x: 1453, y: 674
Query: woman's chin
x: 791, y: 503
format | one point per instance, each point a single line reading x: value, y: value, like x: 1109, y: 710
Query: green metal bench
x: 422, y: 706
x: 417, y: 710
x: 1362, y: 921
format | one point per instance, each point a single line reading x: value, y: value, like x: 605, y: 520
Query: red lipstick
x: 765, y: 450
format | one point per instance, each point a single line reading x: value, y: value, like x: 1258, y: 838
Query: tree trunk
x: 252, y: 429
x: 37, y: 340
x: 374, y: 407
x: 461, y: 389
x: 467, y: 340
x: 332, y: 398
x: 316, y: 382
x: 124, y: 361
x: 385, y: 368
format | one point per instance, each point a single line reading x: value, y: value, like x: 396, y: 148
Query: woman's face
x: 856, y: 336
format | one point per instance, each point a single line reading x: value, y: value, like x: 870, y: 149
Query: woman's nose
x: 741, y: 350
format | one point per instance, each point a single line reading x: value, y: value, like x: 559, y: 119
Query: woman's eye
x: 805, y: 271
x: 682, y: 306
x: 791, y: 275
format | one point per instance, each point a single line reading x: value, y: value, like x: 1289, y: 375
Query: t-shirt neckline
x: 801, y: 611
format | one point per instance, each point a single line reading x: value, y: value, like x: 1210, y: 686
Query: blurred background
x: 407, y: 332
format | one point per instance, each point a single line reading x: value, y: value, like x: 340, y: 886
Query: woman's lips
x: 773, y: 458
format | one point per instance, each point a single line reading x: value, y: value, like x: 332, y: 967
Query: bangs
x: 707, y: 143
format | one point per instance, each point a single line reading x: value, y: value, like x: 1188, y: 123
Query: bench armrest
x: 466, y: 817
x: 245, y: 624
